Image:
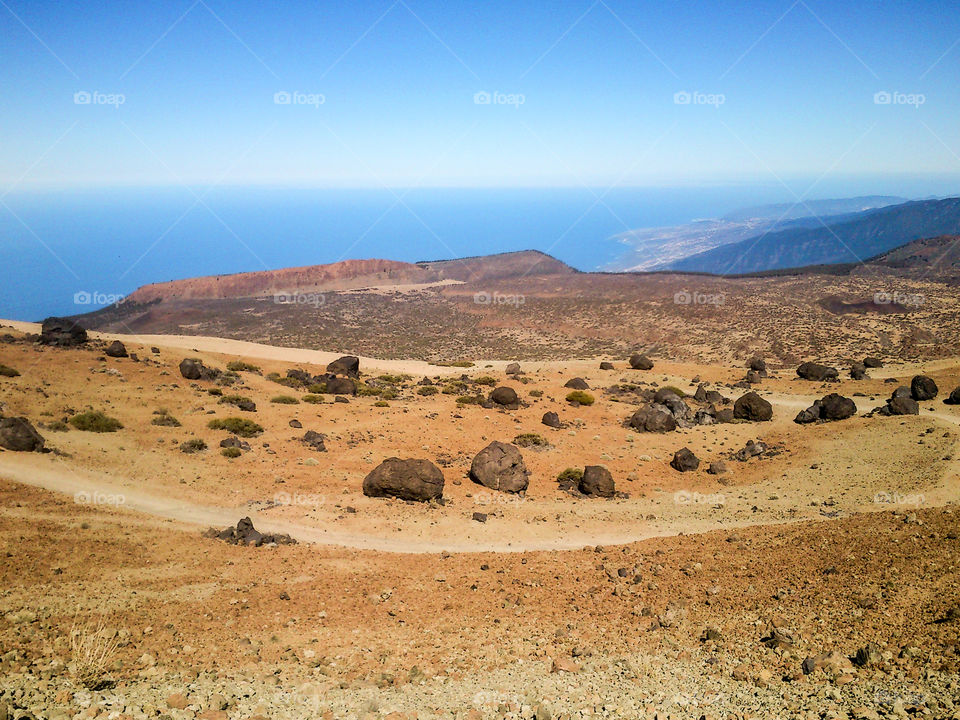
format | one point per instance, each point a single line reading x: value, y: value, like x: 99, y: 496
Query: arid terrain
x: 816, y: 577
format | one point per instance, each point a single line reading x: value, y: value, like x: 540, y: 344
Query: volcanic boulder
x: 810, y: 415
x: 758, y: 365
x: 923, y: 388
x: 116, y: 349
x: 954, y: 398
x: 752, y: 407
x: 653, y: 419
x: 341, y: 386
x: 606, y: 366
x: 418, y: 480
x: 597, y: 482
x: 837, y: 407
x: 314, y: 440
x: 62, y: 332
x: 505, y: 397
x: 551, y: 419
x: 817, y: 372
x: 858, y: 371
x: 17, y: 434
x: 640, y: 362
x: 899, y: 405
x: 872, y: 362
x: 684, y: 460
x: 194, y: 369
x: 577, y: 384
x: 500, y: 466
x: 347, y: 365
x: 513, y: 369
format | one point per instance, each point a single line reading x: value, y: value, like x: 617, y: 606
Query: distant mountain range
x: 657, y: 248
x: 848, y: 238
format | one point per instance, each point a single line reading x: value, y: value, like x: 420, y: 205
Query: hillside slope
x: 867, y: 235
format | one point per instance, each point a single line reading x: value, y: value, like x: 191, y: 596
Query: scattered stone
x: 858, y: 371
x: 480, y: 517
x: 246, y: 534
x: 954, y: 398
x: 685, y: 461
x: 607, y: 366
x: 577, y: 383
x: 341, y: 386
x: 505, y: 397
x: 194, y: 369
x: 116, y: 349
x: 817, y: 372
x: 314, y: 440
x: 872, y: 362
x: 717, y: 468
x: 513, y: 368
x: 653, y: 418
x: 597, y: 482
x: 551, y: 419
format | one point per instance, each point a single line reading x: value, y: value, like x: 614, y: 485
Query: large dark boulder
x: 872, y: 362
x: 194, y: 369
x: 607, y: 365
x: 347, y: 365
x: 418, y: 480
x: 640, y: 362
x: 752, y: 407
x: 576, y: 384
x: 810, y: 415
x: 341, y: 386
x: 597, y: 482
x: 17, y: 434
x: 505, y: 397
x: 902, y: 406
x: 551, y: 419
x: 116, y: 349
x: 653, y: 419
x: 684, y: 460
x: 513, y: 369
x: 500, y: 466
x: 62, y: 332
x: 837, y: 407
x: 665, y: 395
x: 817, y: 372
x: 758, y: 365
x: 954, y: 398
x: 858, y: 371
x: 923, y: 388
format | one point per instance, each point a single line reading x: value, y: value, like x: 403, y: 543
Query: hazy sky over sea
x: 430, y: 93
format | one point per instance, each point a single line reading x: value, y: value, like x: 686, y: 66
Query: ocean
x: 71, y: 251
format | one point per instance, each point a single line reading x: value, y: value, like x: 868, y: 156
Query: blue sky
x: 384, y: 93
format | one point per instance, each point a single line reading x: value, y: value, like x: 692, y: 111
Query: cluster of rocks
x: 62, y: 332
x: 194, y: 369
x: 667, y: 410
x: 246, y: 534
x: 339, y: 379
x: 906, y: 400
x: 830, y: 408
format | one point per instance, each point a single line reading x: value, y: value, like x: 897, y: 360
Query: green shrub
x: 241, y: 366
x: 287, y: 382
x: 570, y: 474
x: 388, y: 394
x: 455, y: 363
x: 313, y: 399
x: 57, y: 426
x: 192, y: 446
x: 95, y: 421
x: 217, y: 392
x: 381, y: 403
x: 227, y: 378
x: 530, y: 440
x: 427, y: 390
x: 367, y: 390
x: 240, y: 402
x: 7, y: 371
x: 469, y: 399
x: 238, y: 426
x: 486, y: 380
x: 165, y: 420
x: 454, y: 387
x: 579, y: 396
x: 231, y: 452
x: 394, y: 379
x: 536, y: 393
x: 284, y: 400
